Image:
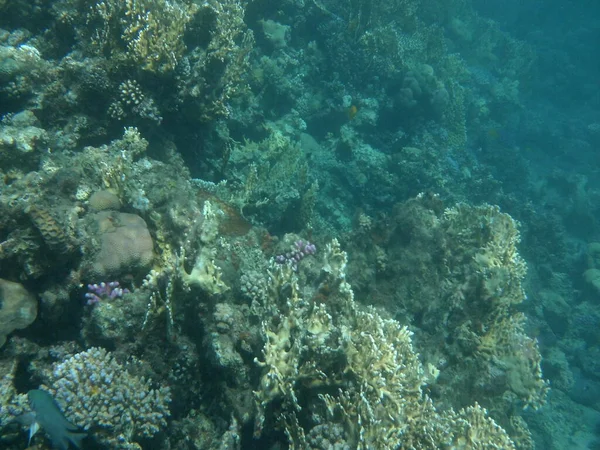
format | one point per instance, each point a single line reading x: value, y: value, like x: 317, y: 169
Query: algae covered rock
x: 18, y: 308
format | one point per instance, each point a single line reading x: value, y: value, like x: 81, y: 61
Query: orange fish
x: 352, y: 111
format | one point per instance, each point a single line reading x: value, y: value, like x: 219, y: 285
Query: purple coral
x: 104, y: 291
x: 300, y: 250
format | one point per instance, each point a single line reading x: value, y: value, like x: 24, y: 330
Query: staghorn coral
x: 490, y: 238
x: 333, y: 372
x: 280, y: 183
x: 473, y: 429
x: 507, y: 348
x: 215, y: 73
x: 154, y: 32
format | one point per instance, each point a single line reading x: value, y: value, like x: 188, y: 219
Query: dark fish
x: 47, y: 415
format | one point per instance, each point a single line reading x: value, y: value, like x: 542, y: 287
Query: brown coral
x: 125, y: 244
x: 104, y: 200
x: 51, y: 231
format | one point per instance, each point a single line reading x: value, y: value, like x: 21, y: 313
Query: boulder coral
x: 125, y: 245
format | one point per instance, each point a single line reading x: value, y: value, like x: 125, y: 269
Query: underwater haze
x: 299, y: 224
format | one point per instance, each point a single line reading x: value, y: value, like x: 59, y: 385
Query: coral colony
x: 300, y: 250
x: 104, y: 291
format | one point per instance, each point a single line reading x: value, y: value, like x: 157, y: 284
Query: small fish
x: 352, y: 111
x: 46, y: 414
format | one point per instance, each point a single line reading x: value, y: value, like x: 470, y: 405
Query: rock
x: 18, y: 308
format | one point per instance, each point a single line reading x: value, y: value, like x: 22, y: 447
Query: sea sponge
x: 125, y: 245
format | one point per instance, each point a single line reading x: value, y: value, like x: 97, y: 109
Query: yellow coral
x: 205, y: 274
x: 362, y: 368
x: 475, y: 430
x: 507, y: 347
x: 152, y: 30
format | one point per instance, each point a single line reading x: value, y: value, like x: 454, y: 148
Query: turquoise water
x: 306, y: 224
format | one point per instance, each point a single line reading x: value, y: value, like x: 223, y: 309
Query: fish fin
x: 76, y: 438
x: 33, y: 428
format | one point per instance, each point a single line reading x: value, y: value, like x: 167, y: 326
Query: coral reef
x: 104, y: 291
x: 367, y: 364
x: 149, y: 33
x: 21, y: 140
x: 94, y: 390
x: 171, y: 173
x: 51, y: 232
x: 103, y: 200
x: 205, y: 274
x: 457, y: 277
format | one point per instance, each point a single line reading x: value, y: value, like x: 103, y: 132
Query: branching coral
x: 457, y: 276
x: 205, y: 274
x: 213, y: 75
x: 151, y: 30
x: 95, y: 390
x: 482, y: 252
x: 332, y: 371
